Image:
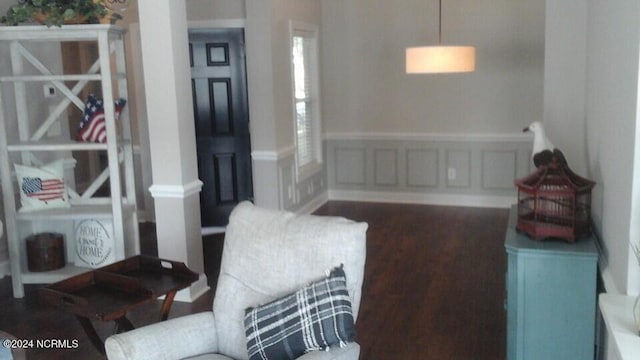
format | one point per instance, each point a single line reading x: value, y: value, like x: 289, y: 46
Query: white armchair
x: 267, y: 254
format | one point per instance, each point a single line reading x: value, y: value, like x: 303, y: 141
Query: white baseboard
x: 5, y: 268
x: 426, y: 199
x: 193, y: 292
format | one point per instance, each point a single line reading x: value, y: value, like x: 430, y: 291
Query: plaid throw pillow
x: 313, y: 318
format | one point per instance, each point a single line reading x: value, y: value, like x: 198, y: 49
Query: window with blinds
x: 305, y: 98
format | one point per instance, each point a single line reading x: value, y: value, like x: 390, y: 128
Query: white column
x: 263, y: 124
x: 167, y: 77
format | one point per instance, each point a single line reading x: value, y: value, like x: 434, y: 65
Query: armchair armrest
x: 349, y: 352
x: 172, y: 339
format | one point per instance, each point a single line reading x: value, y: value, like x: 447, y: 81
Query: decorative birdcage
x: 554, y: 202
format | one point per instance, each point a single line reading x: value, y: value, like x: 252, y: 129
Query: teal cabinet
x: 551, y: 297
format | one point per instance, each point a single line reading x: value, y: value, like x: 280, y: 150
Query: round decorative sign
x: 94, y: 245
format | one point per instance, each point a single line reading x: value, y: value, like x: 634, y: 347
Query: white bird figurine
x: 543, y: 150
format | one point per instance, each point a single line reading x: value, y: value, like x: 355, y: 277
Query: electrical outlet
x: 49, y: 91
x: 451, y: 173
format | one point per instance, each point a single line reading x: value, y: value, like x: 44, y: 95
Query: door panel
x: 218, y: 81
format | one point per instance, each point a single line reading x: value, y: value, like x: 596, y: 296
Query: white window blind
x: 303, y: 99
x: 306, y: 98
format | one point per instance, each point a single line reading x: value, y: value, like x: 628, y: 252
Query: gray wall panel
x: 458, y: 168
x: 385, y: 167
x: 499, y: 168
x: 350, y: 166
x: 295, y: 194
x: 287, y: 182
x: 422, y: 167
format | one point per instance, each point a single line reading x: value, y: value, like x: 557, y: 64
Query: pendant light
x: 440, y: 59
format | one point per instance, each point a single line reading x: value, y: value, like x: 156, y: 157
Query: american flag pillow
x: 315, y: 317
x: 92, y: 126
x: 42, y: 187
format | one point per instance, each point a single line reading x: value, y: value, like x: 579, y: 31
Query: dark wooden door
x: 218, y: 80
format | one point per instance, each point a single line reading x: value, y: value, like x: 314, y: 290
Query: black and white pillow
x: 313, y: 318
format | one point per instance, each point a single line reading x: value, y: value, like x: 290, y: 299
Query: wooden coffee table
x: 109, y: 292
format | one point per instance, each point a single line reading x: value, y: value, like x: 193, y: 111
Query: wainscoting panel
x: 498, y: 169
x: 303, y: 196
x: 422, y: 167
x: 453, y: 168
x: 309, y: 190
x: 287, y: 183
x: 351, y: 165
x: 385, y: 167
x: 458, y: 168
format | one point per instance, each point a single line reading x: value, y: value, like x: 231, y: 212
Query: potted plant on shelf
x: 59, y: 12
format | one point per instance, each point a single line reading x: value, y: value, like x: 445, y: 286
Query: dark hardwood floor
x: 434, y: 287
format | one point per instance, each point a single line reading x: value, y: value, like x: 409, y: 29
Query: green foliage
x: 58, y: 12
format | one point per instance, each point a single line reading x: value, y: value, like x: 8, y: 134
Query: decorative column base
x: 178, y: 231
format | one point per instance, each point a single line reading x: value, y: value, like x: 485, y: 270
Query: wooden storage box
x: 45, y: 252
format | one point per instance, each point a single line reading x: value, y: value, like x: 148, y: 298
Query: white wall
x: 366, y: 90
x: 268, y: 68
x: 259, y: 76
x: 612, y: 114
x: 565, y: 79
x: 368, y: 97
x: 269, y: 78
x: 215, y: 9
x: 282, y: 11
x: 270, y: 99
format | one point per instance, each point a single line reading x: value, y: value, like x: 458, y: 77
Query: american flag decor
x: 43, y: 189
x: 92, y: 126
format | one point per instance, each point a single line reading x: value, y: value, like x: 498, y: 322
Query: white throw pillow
x: 42, y: 187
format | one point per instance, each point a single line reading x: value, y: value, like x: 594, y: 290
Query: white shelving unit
x: 30, y: 145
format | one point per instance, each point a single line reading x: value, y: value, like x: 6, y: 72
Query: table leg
x: 123, y: 324
x: 166, y: 305
x: 91, y: 333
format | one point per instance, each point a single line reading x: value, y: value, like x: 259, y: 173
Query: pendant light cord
x: 440, y: 22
